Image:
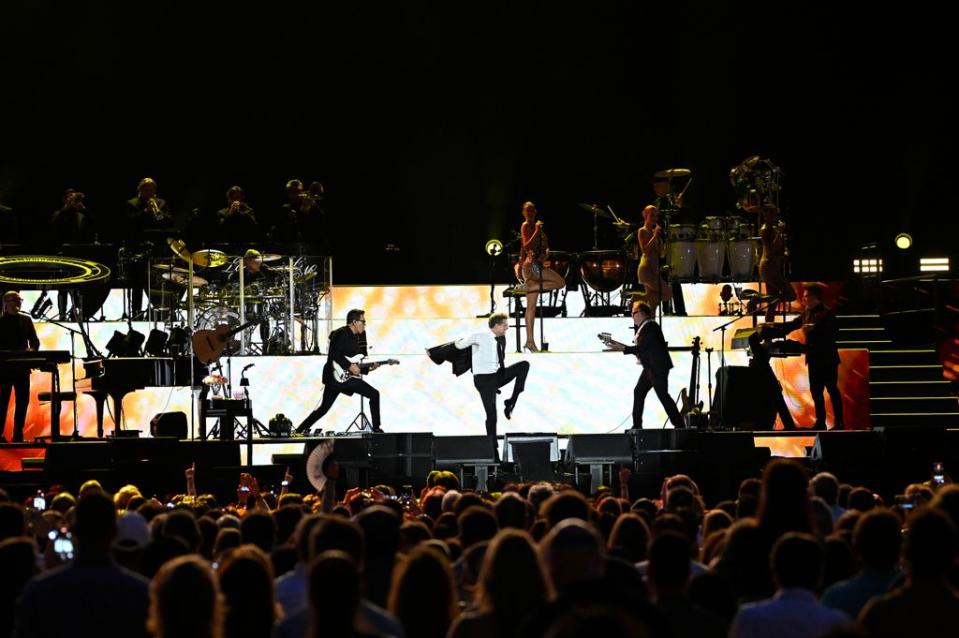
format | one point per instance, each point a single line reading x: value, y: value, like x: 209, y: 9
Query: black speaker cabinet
x: 742, y: 398
x: 169, y: 424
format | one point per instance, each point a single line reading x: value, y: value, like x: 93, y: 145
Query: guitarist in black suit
x: 650, y: 348
x: 343, y: 344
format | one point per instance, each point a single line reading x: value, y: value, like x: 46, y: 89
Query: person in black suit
x: 818, y: 322
x: 343, y: 344
x: 16, y: 333
x: 650, y: 348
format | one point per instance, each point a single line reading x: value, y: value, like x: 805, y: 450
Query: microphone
x: 248, y: 366
x: 36, y: 311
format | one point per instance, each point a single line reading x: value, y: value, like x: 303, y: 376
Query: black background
x: 431, y: 123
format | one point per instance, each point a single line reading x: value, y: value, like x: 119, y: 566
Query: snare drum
x: 710, y: 256
x: 603, y: 270
x: 743, y: 256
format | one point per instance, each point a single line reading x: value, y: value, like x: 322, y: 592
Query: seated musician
x: 16, y: 333
x: 254, y: 274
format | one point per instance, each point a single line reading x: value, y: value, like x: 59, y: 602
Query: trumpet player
x: 299, y: 227
x: 237, y: 222
x: 146, y: 217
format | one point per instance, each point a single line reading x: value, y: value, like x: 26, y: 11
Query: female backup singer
x: 771, y: 264
x: 536, y: 276
x: 652, y: 246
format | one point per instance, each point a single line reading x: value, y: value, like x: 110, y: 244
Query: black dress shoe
x: 376, y: 430
x: 508, y: 406
x: 819, y: 427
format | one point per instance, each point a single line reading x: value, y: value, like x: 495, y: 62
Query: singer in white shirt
x: 490, y: 372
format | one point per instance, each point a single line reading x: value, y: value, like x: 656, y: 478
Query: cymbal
x: 214, y: 379
x: 748, y: 293
x: 672, y: 173
x: 178, y: 246
x: 268, y: 257
x: 593, y: 209
x: 305, y: 278
x: 170, y: 268
x: 210, y: 258
x: 184, y: 280
x: 284, y: 269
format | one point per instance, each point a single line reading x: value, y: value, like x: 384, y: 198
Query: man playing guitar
x: 343, y: 348
x: 650, y: 348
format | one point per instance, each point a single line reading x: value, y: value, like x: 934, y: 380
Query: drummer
x: 255, y: 274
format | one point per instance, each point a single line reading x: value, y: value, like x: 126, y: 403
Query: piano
x: 116, y: 377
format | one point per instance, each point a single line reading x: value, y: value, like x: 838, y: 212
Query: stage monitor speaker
x: 172, y: 424
x: 737, y: 401
x: 533, y: 454
x: 589, y: 449
x: 462, y: 450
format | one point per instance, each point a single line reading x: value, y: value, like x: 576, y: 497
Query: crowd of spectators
x: 793, y: 555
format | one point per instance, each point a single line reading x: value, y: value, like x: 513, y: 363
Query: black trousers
x: 825, y: 376
x: 660, y: 383
x: 488, y: 384
x: 18, y: 383
x: 333, y: 390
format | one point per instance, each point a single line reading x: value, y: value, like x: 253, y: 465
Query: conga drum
x: 743, y: 256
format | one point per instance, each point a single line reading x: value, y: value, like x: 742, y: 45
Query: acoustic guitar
x: 209, y: 345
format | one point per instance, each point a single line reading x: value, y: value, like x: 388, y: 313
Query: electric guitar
x: 343, y: 374
x: 209, y: 345
x: 608, y: 341
x: 690, y: 399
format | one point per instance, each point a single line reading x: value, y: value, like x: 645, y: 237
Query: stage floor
x: 576, y: 388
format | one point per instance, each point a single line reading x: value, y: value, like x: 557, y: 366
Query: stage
x: 575, y: 388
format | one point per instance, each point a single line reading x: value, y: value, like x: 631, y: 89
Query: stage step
x: 859, y: 333
x: 904, y: 356
x: 914, y: 404
x: 900, y: 388
x: 922, y: 372
x: 950, y: 420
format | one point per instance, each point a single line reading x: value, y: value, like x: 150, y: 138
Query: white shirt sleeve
x: 465, y: 342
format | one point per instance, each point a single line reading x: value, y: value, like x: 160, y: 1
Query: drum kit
x: 270, y: 287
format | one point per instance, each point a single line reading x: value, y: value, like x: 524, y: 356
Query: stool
x: 60, y: 398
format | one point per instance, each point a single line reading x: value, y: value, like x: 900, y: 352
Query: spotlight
x: 904, y: 241
x: 494, y: 247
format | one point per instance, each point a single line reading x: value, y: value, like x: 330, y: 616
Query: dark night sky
x: 430, y: 123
